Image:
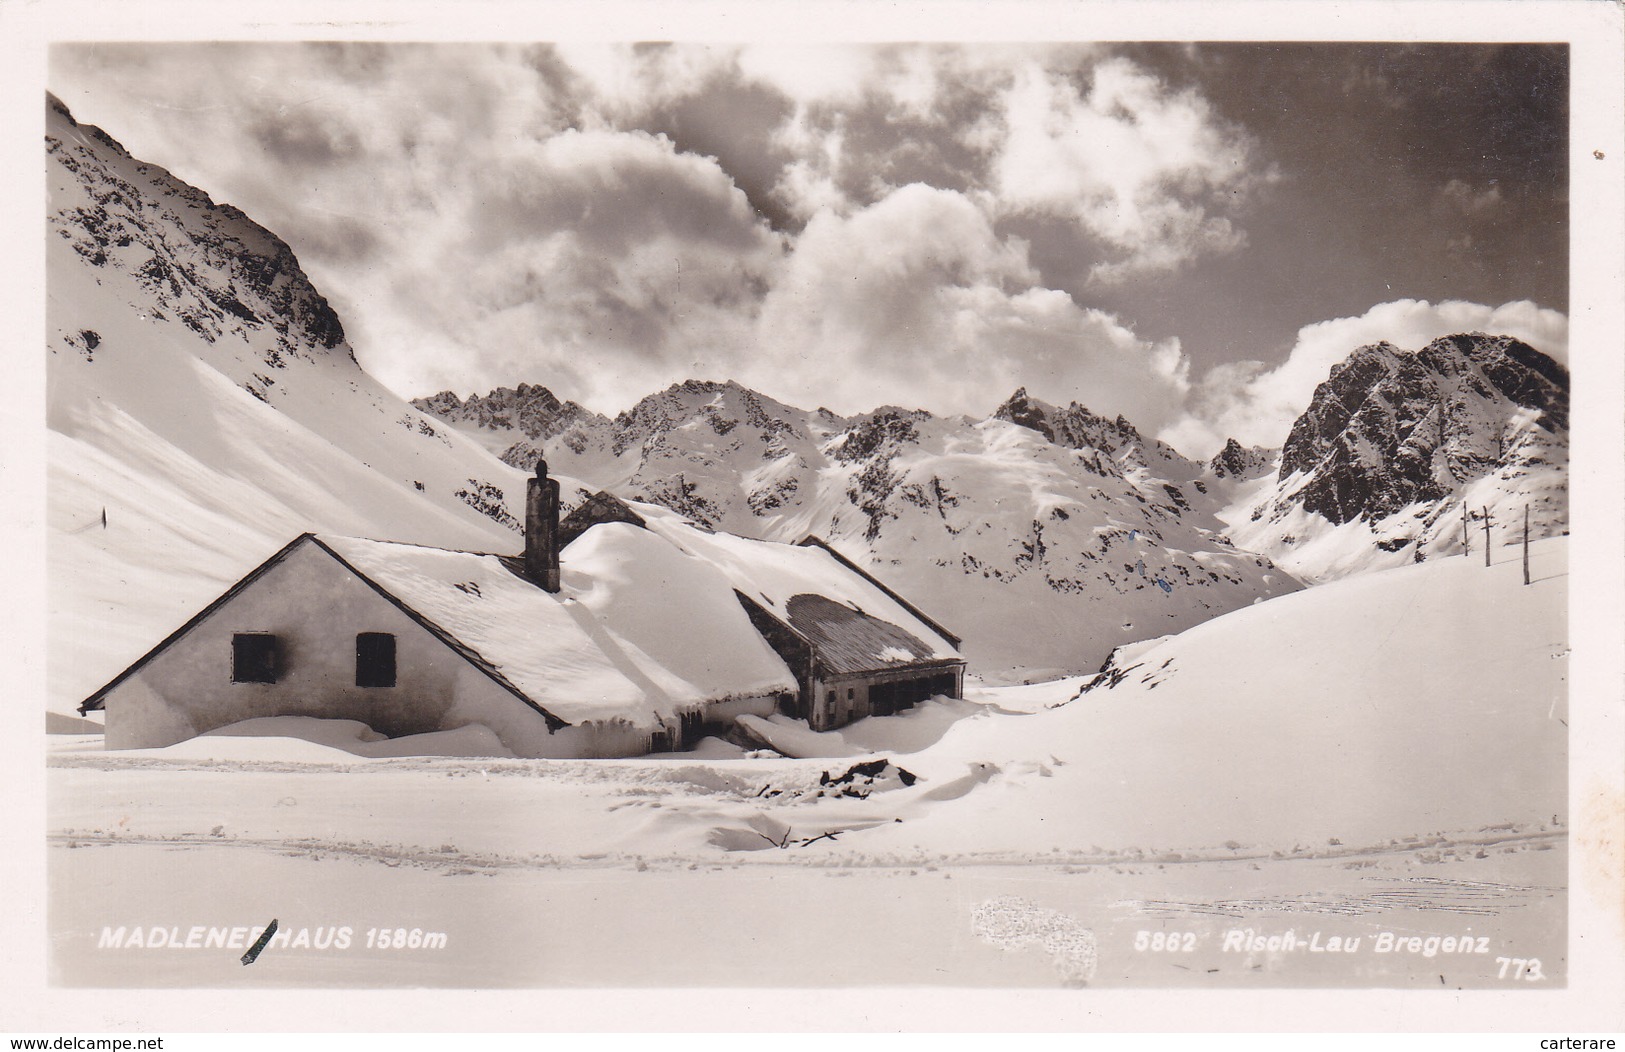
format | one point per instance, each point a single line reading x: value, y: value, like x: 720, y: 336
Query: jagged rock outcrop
x: 527, y: 416
x: 1388, y: 429
x: 1236, y: 461
x: 1119, y: 441
x: 1398, y: 443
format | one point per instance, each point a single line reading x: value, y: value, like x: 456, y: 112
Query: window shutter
x: 254, y: 657
x: 375, y: 659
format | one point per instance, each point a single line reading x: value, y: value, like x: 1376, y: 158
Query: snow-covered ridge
x: 1275, y: 729
x: 209, y: 265
x: 1035, y: 514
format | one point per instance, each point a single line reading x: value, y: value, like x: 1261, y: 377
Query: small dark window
x: 375, y: 659
x: 851, y: 692
x: 253, y: 657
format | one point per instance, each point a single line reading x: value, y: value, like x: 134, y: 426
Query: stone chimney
x: 542, y: 528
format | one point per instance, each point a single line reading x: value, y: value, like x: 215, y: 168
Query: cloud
x: 898, y: 117
x: 612, y: 190
x: 1257, y: 404
x: 1139, y: 166
x: 808, y: 184
x: 607, y: 258
x: 1149, y: 173
x: 1465, y: 199
x: 620, y: 83
x: 911, y: 79
x: 467, y: 211
x: 916, y: 293
x: 486, y: 214
x: 817, y: 73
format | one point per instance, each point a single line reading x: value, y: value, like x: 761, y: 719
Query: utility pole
x: 1466, y: 535
x: 1526, y: 544
x: 1486, y: 536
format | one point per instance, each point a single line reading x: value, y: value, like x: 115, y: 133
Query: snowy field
x: 1381, y: 759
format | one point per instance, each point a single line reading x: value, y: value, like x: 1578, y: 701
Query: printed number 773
x: 1519, y: 968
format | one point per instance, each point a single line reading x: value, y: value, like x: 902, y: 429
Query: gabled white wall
x: 315, y: 607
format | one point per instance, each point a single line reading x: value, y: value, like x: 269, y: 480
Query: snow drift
x: 1391, y: 706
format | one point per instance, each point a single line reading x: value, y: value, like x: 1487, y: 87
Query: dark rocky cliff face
x: 205, y: 264
x: 1388, y: 429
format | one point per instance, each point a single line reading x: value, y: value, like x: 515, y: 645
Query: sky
x: 1189, y: 235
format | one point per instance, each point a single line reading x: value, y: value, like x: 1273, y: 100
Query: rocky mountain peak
x: 1021, y: 409
x: 1075, y: 427
x: 720, y: 405
x: 1389, y: 428
x: 1397, y: 452
x: 530, y: 410
x: 1236, y: 461
x: 878, y: 431
x: 1510, y: 367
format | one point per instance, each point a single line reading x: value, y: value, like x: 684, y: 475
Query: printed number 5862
x: 1165, y: 941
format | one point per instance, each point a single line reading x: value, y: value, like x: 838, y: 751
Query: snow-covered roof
x: 647, y: 623
x: 639, y: 631
x: 855, y: 622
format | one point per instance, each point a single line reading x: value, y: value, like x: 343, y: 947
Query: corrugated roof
x: 849, y: 640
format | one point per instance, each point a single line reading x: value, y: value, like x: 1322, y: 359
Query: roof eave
x: 905, y: 666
